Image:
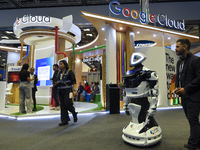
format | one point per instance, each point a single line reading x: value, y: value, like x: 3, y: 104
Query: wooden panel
x: 15, y: 97
x: 78, y: 73
x: 61, y: 48
x: 130, y: 46
x: 33, y: 54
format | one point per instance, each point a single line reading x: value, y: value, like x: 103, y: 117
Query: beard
x: 181, y: 52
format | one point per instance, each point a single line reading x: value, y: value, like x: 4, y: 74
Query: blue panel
x: 45, y: 65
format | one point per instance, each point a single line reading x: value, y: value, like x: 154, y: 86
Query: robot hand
x: 126, y: 109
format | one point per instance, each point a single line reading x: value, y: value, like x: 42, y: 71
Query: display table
x: 2, y: 94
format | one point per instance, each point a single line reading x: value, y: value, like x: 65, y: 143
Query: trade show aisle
x: 93, y: 131
x: 79, y: 106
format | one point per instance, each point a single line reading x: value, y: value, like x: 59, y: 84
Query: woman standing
x: 25, y: 89
x: 65, y: 81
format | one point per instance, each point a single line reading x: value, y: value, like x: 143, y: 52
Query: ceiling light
x: 105, y: 39
x: 9, y: 32
x: 154, y: 35
x: 86, y: 29
x: 3, y: 60
x: 168, y: 38
x: 139, y: 25
x: 95, y: 46
x: 102, y: 29
x: 89, y: 35
x: 121, y: 28
x: 138, y: 32
x: 4, y: 37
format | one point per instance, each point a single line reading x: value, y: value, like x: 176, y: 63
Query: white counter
x: 2, y: 94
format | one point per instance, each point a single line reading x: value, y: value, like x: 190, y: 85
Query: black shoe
x: 75, y: 117
x: 34, y: 109
x: 186, y: 146
x: 63, y: 123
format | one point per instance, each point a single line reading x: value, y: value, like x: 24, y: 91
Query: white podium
x: 2, y: 94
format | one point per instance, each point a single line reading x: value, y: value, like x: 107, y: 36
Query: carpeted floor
x: 91, y: 132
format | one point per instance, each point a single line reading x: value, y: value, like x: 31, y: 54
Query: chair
x: 8, y: 91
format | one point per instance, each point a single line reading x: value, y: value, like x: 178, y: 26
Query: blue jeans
x: 84, y: 93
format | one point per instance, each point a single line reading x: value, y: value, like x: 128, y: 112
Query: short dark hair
x: 56, y: 65
x: 184, y: 42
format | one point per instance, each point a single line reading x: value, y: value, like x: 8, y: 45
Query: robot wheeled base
x: 150, y: 137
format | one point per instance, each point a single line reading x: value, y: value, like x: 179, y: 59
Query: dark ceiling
x: 192, y: 27
x: 19, y: 4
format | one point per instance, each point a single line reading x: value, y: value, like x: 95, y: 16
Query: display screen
x: 13, y: 77
x: 44, y: 68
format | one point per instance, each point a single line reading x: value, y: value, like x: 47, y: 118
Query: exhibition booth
x: 52, y: 39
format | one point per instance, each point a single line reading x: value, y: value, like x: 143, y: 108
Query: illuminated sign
x: 92, y: 59
x: 14, y: 68
x: 162, y: 19
x: 33, y: 19
x: 144, y: 43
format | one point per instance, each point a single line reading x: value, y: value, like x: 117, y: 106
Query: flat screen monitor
x: 44, y: 69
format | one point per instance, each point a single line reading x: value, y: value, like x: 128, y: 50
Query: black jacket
x: 68, y: 79
x: 35, y: 82
x: 54, y: 79
x: 190, y: 77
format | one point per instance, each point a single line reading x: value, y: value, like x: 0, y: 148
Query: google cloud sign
x: 162, y: 19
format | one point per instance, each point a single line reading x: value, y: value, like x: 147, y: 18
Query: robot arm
x: 153, y: 92
x: 126, y: 102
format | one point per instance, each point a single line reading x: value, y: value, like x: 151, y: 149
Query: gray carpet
x: 91, y: 132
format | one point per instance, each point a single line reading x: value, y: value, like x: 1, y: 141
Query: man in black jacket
x: 55, y: 89
x: 187, y: 85
x: 34, y: 87
x: 79, y: 91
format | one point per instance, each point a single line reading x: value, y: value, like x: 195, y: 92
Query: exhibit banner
x: 171, y: 60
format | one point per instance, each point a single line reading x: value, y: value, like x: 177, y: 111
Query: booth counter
x: 2, y: 94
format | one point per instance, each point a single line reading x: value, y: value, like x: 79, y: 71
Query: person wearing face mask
x: 65, y: 81
x: 187, y: 86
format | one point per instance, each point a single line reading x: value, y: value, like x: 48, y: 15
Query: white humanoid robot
x: 141, y: 90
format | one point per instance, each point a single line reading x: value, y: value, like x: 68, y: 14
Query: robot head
x: 136, y: 59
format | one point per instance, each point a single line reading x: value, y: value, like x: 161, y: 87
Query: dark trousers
x: 66, y: 104
x: 78, y: 96
x: 192, y: 110
x: 55, y: 96
x: 33, y: 96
